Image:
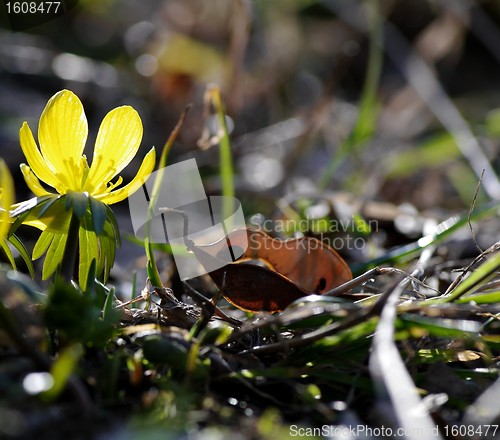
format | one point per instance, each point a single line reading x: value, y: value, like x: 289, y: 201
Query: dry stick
x: 412, y: 278
x: 316, y: 335
x: 202, y: 301
x: 357, y: 281
x: 336, y: 327
x: 495, y: 247
x: 337, y: 291
x: 331, y: 329
x: 130, y: 301
x: 276, y: 319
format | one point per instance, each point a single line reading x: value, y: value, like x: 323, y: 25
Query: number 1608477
x: 32, y: 7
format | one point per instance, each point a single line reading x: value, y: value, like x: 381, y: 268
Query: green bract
x: 6, y: 199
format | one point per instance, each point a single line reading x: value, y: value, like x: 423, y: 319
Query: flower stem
x: 68, y: 265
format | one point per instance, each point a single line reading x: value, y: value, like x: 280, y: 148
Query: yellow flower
x: 6, y: 199
x: 77, y: 213
x: 60, y: 162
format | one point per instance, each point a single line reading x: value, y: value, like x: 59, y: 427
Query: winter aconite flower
x: 60, y: 162
x: 74, y: 208
x: 6, y: 199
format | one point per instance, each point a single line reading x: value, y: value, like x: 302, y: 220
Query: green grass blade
x: 478, y: 277
x: 152, y: 269
x: 440, y: 327
x: 364, y: 126
x: 368, y: 111
x: 226, y: 162
x: 444, y: 229
x: 480, y: 298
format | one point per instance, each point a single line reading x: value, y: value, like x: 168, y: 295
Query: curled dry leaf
x: 272, y: 273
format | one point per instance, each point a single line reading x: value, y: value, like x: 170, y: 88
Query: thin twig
x: 467, y: 269
x: 357, y: 281
x: 329, y: 330
x: 203, y: 302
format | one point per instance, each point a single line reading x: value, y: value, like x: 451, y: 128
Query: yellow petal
x: 62, y: 133
x: 35, y: 223
x: 34, y: 158
x: 117, y: 142
x: 6, y: 198
x: 112, y: 186
x: 146, y: 168
x: 32, y: 181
